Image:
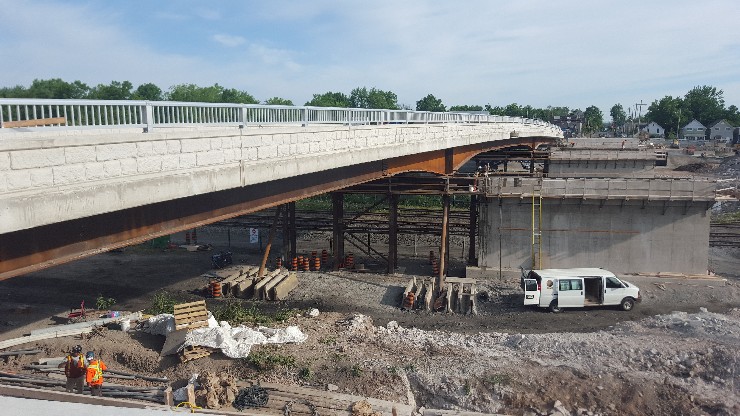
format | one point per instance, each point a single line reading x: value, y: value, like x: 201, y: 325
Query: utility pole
x: 639, y: 114
x: 678, y: 123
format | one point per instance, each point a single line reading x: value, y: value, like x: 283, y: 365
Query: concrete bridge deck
x: 116, y: 173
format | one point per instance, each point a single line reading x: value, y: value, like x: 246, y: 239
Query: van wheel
x: 554, y: 308
x: 627, y: 304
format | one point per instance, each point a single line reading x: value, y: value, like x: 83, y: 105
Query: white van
x: 576, y: 288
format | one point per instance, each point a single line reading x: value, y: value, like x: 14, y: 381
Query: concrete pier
x: 624, y: 225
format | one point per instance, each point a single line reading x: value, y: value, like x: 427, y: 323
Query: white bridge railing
x: 148, y: 115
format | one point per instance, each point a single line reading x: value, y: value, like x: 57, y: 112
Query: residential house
x: 693, y: 131
x: 720, y: 130
x: 654, y: 129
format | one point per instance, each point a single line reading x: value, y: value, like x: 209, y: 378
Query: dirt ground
x: 675, y: 353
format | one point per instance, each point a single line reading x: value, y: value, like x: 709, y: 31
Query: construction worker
x: 75, y: 368
x: 94, y: 376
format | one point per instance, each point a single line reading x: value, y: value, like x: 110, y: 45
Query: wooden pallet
x: 191, y: 315
x: 192, y: 352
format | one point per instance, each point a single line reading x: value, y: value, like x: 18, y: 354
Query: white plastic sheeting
x: 237, y: 342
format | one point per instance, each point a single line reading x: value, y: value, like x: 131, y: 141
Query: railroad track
x: 724, y: 234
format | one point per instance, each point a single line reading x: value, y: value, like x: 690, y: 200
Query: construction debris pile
x: 186, y: 337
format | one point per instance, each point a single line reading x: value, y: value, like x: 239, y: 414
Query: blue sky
x: 538, y: 52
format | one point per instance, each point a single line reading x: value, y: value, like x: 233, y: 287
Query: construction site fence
x: 590, y: 188
x: 148, y: 115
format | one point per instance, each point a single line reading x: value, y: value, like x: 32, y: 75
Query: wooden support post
x: 473, y: 229
x: 443, y: 244
x: 169, y: 400
x: 392, y: 233
x: 337, y: 203
x: 291, y: 230
x: 269, y: 240
x: 190, y: 389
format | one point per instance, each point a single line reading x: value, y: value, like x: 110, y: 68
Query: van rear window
x: 530, y: 285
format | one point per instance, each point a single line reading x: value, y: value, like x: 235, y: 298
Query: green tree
x: 19, y: 91
x: 57, y: 88
x: 278, y: 101
x: 513, y: 110
x: 235, y: 96
x: 113, y: 91
x: 329, y: 99
x: 732, y: 115
x: 705, y: 104
x: 373, y: 98
x: 619, y: 116
x: 669, y: 113
x: 430, y: 103
x: 212, y: 94
x: 594, y: 119
x: 148, y: 92
x: 466, y: 108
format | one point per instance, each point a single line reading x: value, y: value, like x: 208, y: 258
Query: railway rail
x: 725, y: 234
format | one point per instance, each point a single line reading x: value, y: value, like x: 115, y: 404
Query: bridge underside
x: 37, y: 248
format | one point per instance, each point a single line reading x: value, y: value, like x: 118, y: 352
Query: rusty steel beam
x: 41, y: 247
x: 37, y: 248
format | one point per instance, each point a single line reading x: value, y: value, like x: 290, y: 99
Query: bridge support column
x: 285, y: 250
x: 337, y: 205
x: 293, y: 250
x: 443, y: 243
x: 392, y: 233
x: 472, y: 230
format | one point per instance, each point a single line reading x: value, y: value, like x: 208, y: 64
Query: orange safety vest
x: 95, y: 372
x: 72, y: 371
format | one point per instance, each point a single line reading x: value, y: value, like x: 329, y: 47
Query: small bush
x: 162, y: 302
x: 235, y: 313
x: 355, y: 370
x: 268, y: 361
x: 305, y: 374
x: 103, y: 303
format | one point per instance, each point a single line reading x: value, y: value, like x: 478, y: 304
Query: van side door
x: 531, y: 292
x: 613, y: 291
x: 570, y: 292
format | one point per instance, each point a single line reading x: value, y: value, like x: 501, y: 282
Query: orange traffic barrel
x: 408, y: 302
x: 187, y: 237
x: 435, y: 267
x: 305, y: 264
x: 216, y: 289
x: 350, y: 261
x: 313, y: 254
x: 324, y: 256
x: 295, y: 264
x: 195, y: 236
x: 316, y: 264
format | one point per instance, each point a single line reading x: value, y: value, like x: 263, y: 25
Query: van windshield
x: 612, y: 283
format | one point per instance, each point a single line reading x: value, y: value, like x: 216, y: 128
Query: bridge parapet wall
x: 654, y: 189
x: 52, y: 176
